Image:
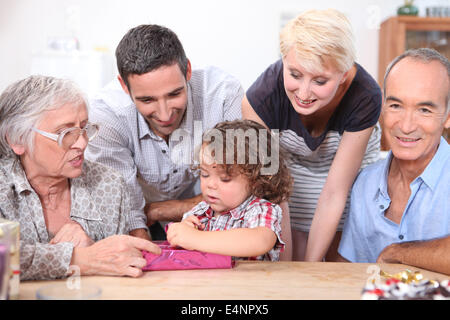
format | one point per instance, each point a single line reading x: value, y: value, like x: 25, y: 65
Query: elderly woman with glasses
x: 72, y: 212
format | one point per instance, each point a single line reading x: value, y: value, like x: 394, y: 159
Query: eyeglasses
x: 69, y: 136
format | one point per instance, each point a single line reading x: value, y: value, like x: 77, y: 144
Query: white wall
x: 240, y: 36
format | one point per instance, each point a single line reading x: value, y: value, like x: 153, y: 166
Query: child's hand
x: 194, y: 222
x: 182, y: 235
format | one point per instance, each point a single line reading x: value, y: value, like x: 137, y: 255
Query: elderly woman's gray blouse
x: 99, y: 203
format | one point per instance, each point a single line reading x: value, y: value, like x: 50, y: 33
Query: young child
x: 241, y: 188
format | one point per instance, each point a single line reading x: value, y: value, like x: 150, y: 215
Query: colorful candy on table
x: 406, y: 285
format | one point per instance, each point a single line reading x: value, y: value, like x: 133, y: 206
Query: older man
x: 405, y: 197
x: 156, y: 93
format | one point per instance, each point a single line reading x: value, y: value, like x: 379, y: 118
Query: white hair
x: 23, y: 104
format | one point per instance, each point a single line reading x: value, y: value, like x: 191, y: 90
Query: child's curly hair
x: 229, y: 138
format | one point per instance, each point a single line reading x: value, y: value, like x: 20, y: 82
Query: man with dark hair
x: 147, y: 118
x: 400, y: 206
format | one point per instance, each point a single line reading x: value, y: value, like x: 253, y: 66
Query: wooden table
x: 247, y: 280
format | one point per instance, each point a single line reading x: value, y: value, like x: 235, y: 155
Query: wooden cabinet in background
x: 398, y: 34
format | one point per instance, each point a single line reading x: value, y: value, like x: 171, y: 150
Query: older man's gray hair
x: 23, y: 104
x: 425, y: 55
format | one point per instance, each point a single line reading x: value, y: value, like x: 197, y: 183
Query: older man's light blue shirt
x: 427, y: 214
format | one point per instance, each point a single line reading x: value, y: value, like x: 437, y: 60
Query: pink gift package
x: 172, y: 258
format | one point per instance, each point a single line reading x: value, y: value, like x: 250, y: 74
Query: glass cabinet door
x: 438, y: 40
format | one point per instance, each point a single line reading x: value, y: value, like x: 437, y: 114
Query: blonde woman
x: 326, y: 107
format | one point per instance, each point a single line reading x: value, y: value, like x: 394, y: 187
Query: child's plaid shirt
x: 253, y: 212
